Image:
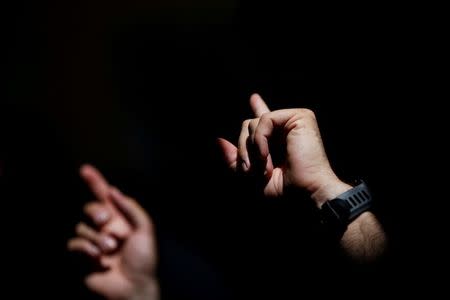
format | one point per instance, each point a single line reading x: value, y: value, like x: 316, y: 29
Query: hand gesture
x: 121, y: 244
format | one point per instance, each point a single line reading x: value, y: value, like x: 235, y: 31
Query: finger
x: 229, y: 152
x: 118, y: 226
x: 103, y: 242
x: 267, y: 123
x: 251, y: 129
x: 96, y: 182
x: 269, y: 166
x: 244, y: 161
x: 131, y: 210
x: 98, y: 213
x: 83, y: 246
x: 257, y: 163
x: 260, y: 164
x: 258, y: 105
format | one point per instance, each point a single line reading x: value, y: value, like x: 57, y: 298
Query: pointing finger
x: 96, y: 182
x: 258, y: 105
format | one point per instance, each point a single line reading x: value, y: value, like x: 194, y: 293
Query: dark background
x: 142, y: 89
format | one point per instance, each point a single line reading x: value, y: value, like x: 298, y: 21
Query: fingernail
x: 102, y: 217
x: 109, y: 243
x: 94, y: 251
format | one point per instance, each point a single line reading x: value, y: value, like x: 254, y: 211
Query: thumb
x: 229, y: 152
x: 131, y: 210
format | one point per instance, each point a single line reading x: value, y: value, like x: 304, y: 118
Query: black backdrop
x: 142, y: 89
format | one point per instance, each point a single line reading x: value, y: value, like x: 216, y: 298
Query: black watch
x: 337, y: 213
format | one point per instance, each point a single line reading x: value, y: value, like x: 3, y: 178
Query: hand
x: 122, y: 245
x: 305, y: 164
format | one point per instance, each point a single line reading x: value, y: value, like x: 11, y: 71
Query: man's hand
x: 121, y: 245
x: 304, y: 166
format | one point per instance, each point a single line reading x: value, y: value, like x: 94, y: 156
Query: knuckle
x: 264, y: 117
x: 253, y: 123
x: 306, y: 112
x: 245, y: 123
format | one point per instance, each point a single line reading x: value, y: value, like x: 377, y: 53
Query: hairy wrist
x: 329, y: 189
x: 364, y: 240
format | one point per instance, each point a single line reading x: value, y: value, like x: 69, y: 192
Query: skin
x: 122, y: 242
x: 305, y: 166
x: 121, y: 245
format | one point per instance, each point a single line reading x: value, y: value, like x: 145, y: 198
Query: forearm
x: 364, y: 240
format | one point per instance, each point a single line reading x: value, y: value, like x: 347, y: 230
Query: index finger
x: 96, y: 182
x: 266, y: 126
x: 259, y: 107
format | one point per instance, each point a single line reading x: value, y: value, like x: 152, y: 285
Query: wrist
x: 329, y: 189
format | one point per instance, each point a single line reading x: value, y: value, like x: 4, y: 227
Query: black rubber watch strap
x: 358, y: 200
x: 337, y: 213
